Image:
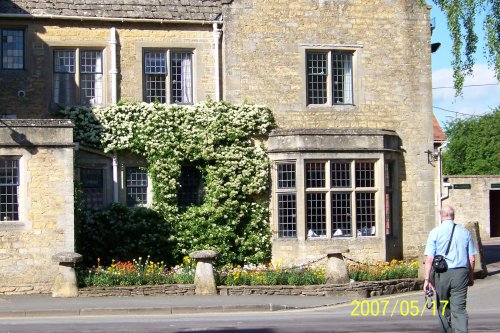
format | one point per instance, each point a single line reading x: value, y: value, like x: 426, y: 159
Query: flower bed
x: 146, y: 272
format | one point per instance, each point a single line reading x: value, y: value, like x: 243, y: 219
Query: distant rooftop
x: 202, y: 10
x: 439, y: 135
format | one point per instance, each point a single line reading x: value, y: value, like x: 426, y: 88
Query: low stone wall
x: 356, y: 289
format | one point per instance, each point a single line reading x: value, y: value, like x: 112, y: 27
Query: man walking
x: 452, y: 284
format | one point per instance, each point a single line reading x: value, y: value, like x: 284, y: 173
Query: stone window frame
x: 78, y: 75
x: 168, y: 96
x: 23, y: 50
x: 301, y: 196
x: 23, y: 157
x: 357, y: 70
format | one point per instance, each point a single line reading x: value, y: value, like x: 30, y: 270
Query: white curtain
x: 348, y: 80
x: 187, y: 79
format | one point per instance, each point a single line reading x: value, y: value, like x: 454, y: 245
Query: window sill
x: 11, y: 225
x: 332, y: 107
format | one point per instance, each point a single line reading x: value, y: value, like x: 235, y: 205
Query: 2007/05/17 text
x: 382, y: 307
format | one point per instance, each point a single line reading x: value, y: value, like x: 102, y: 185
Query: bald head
x: 447, y: 213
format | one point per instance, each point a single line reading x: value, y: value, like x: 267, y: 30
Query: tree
x: 461, y: 16
x: 473, y: 145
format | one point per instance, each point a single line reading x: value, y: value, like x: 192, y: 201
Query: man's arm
x: 427, y: 272
x: 472, y: 262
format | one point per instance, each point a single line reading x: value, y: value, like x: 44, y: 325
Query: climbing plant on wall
x: 220, y: 140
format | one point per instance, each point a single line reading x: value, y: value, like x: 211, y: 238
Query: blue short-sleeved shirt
x: 461, y: 247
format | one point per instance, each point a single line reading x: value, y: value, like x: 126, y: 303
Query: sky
x: 484, y: 91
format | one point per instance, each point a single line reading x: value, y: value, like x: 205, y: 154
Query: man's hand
x: 428, y: 286
x: 471, y: 279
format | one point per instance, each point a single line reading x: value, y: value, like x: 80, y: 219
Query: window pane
x: 64, y: 61
x: 137, y: 186
x: 365, y: 174
x: 286, y: 175
x: 341, y: 175
x: 12, y: 49
x: 92, y: 181
x: 316, y: 214
x: 64, y: 77
x: 365, y: 214
x: 341, y: 215
x: 91, y: 77
x: 182, y: 78
x: 190, y: 190
x: 9, y: 186
x: 317, y: 72
x: 287, y: 214
x: 342, y: 78
x: 155, y: 88
x: 155, y: 69
x: 315, y: 175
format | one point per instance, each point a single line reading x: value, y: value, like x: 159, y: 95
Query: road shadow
x: 234, y: 329
x: 491, y: 251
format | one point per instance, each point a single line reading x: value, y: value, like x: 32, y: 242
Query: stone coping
x: 355, y: 289
x: 36, y: 123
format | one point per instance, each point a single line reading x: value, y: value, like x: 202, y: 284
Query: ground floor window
x: 136, y: 181
x: 92, y: 184
x: 9, y: 189
x: 339, y: 198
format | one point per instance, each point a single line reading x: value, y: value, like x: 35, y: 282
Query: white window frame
x: 328, y: 190
x: 84, y: 76
x: 164, y: 75
x: 328, y: 98
x: 136, y: 184
x: 10, y: 180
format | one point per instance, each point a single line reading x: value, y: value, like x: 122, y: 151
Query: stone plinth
x: 336, y: 270
x: 204, y: 279
x: 65, y: 284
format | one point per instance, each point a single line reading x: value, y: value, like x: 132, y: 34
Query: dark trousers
x: 452, y: 286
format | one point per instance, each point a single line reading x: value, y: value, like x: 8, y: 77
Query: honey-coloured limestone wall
x: 45, y: 193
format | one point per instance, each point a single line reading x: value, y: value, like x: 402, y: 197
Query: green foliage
x: 473, y: 146
x: 123, y: 233
x: 461, y: 16
x: 233, y: 219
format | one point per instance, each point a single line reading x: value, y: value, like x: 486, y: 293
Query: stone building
x: 349, y: 84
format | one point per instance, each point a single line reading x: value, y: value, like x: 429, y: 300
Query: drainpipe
x: 113, y: 72
x: 115, y: 177
x: 216, y: 33
x: 440, y: 175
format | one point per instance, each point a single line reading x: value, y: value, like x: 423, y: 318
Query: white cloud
x: 477, y: 99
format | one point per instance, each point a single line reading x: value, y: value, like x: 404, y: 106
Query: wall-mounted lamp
x: 431, y: 156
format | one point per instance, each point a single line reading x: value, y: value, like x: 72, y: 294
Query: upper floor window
x: 173, y: 83
x: 78, y: 77
x: 12, y: 48
x: 136, y: 181
x: 9, y: 189
x: 329, y: 77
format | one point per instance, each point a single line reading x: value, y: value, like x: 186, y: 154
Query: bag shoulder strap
x: 449, y: 243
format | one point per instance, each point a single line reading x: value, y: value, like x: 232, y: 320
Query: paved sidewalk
x: 46, y: 305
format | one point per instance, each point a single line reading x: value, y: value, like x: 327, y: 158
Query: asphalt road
x: 403, y: 313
